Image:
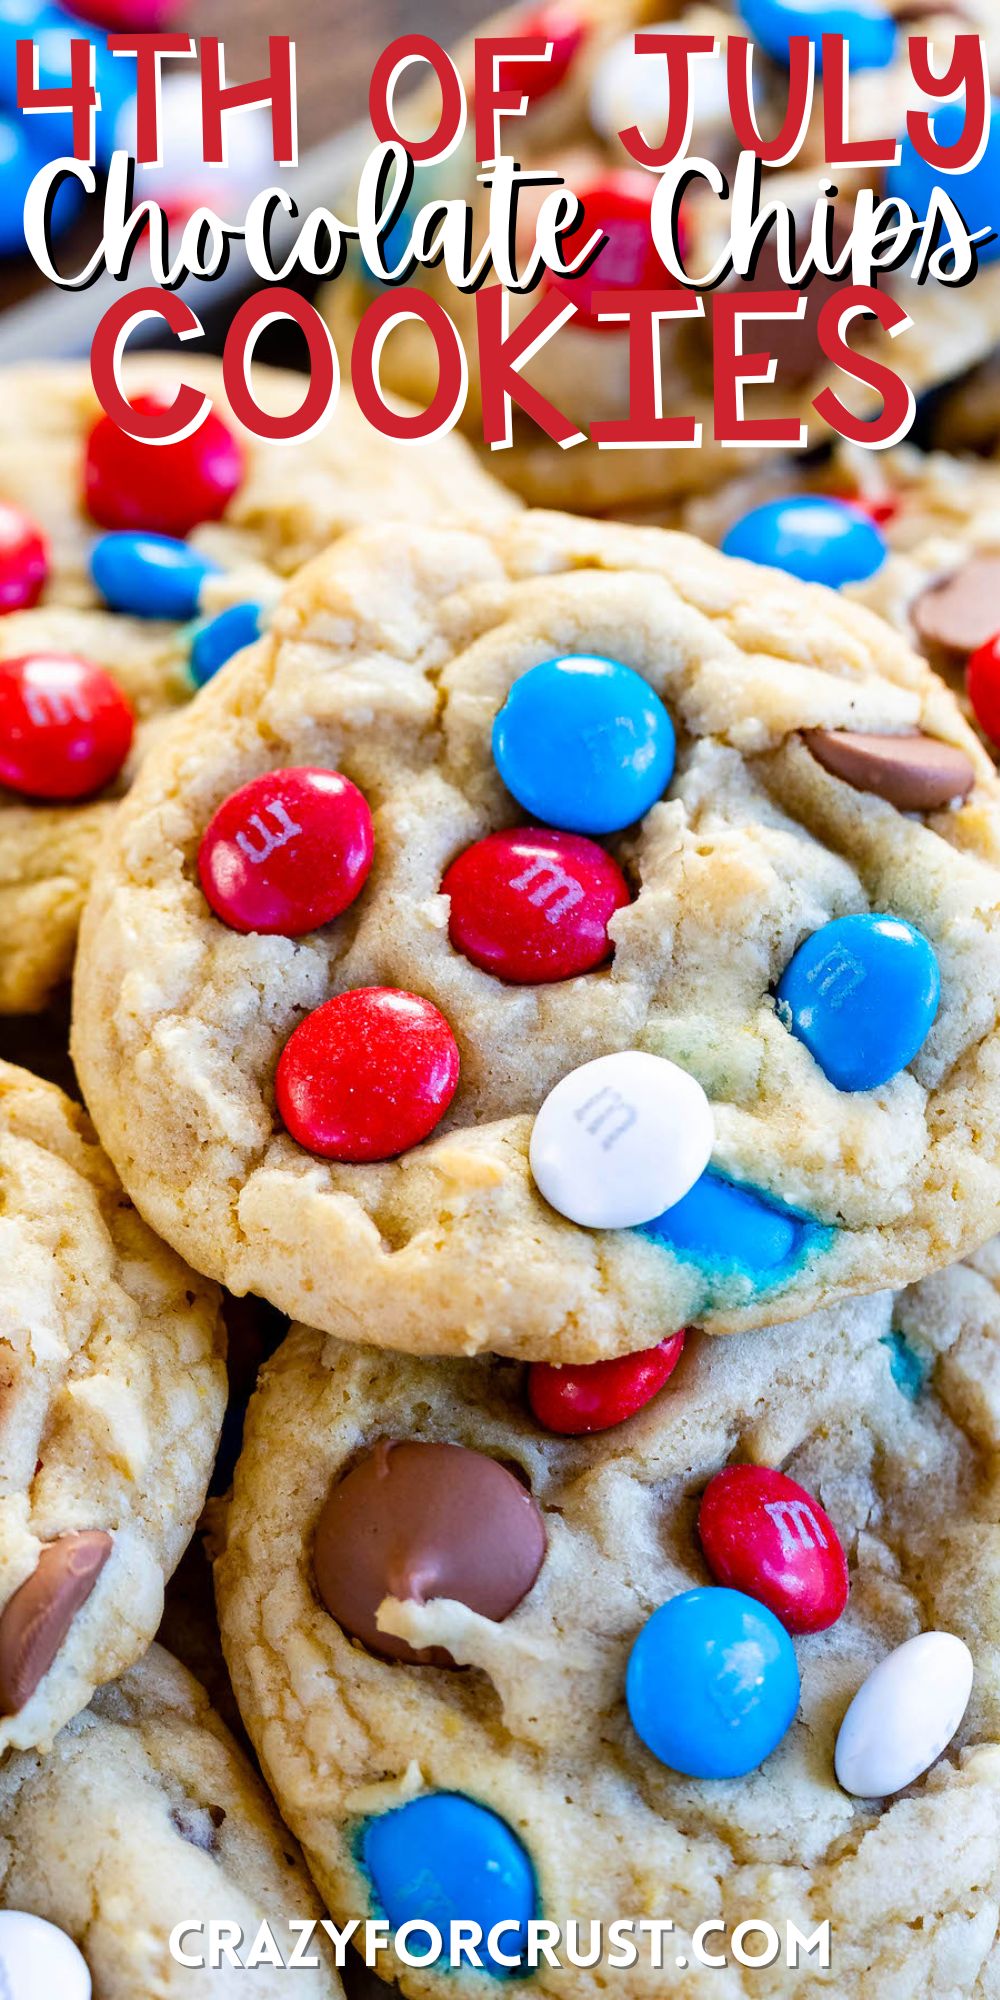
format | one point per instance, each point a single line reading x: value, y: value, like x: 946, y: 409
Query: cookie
x: 112, y: 1393
x: 367, y: 1478
x: 925, y: 553
x: 596, y: 87
x: 426, y: 1124
x: 145, y: 1815
x: 966, y: 414
x: 149, y: 619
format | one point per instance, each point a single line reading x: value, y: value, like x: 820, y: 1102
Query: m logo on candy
x: 554, y: 887
x: 796, y: 1524
x: 612, y: 1106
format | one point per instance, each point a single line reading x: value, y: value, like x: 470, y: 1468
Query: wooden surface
x: 337, y: 42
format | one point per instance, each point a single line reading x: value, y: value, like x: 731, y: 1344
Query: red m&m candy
x: 765, y: 1535
x: 24, y: 559
x: 368, y: 1075
x: 139, y: 15
x: 287, y: 852
x: 167, y: 488
x: 982, y: 683
x: 575, y: 1401
x: 65, y: 726
x: 532, y: 906
x: 621, y: 206
x: 557, y: 24
x: 879, y: 507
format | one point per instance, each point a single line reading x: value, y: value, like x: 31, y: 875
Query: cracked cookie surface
x: 936, y: 512
x: 389, y: 659
x: 112, y: 1394
x: 144, y: 1814
x: 292, y: 501
x: 938, y: 516
x: 873, y: 1406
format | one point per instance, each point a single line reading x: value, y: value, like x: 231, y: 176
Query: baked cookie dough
x: 388, y: 660
x: 886, y: 1412
x: 967, y: 415
x: 572, y: 130
x: 112, y: 1393
x: 291, y: 501
x: 938, y: 515
x: 144, y: 1814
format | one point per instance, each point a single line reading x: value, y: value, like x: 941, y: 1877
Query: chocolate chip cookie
x: 142, y: 1817
x: 596, y: 87
x: 128, y: 573
x: 112, y: 1393
x: 437, y: 1613
x: 913, y: 535
x: 489, y: 961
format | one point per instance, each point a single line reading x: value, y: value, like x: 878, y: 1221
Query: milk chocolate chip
x: 795, y: 342
x: 960, y: 612
x: 416, y: 1521
x: 916, y: 773
x: 35, y: 1622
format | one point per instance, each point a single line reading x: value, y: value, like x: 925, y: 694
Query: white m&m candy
x: 621, y: 1139
x: 629, y: 89
x: 904, y: 1715
x: 39, y: 1962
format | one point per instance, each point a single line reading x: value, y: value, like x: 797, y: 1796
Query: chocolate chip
x: 417, y: 1521
x: 794, y: 342
x: 960, y: 612
x: 916, y: 773
x: 37, y: 1618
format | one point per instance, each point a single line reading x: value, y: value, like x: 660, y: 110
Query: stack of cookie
x: 913, y: 534
x: 594, y: 88
x: 127, y: 576
x: 492, y: 969
x: 536, y: 984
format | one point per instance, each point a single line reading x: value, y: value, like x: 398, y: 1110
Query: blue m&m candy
x: 909, y: 1370
x: 21, y: 157
x: 712, y: 1683
x: 813, y: 537
x: 21, y: 21
x: 215, y: 642
x: 433, y: 180
x: 866, y: 25
x: 976, y: 193
x: 395, y: 243
x: 726, y: 1227
x: 443, y: 1859
x: 861, y: 993
x: 584, y: 743
x: 151, y: 576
